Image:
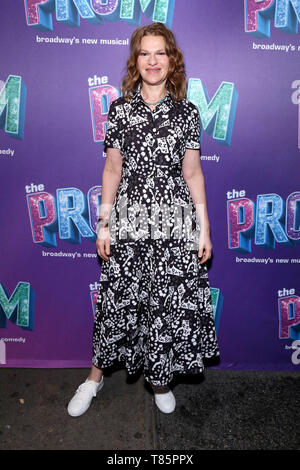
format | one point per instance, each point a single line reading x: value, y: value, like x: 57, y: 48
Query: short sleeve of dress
x: 113, y: 136
x: 193, y: 132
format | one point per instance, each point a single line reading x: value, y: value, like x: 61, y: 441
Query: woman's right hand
x: 103, y: 243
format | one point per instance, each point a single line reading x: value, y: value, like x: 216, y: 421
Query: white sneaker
x: 83, y: 397
x: 165, y: 401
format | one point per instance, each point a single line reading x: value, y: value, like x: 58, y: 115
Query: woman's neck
x: 153, y: 93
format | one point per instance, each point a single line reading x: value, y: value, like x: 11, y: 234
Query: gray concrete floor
x: 234, y: 410
x: 33, y: 412
x: 217, y: 410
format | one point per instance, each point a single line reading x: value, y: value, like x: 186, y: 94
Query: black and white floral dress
x: 154, y: 308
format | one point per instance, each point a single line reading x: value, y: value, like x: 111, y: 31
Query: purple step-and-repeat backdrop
x: 61, y: 63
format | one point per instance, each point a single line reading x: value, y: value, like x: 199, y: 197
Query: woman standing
x: 154, y: 307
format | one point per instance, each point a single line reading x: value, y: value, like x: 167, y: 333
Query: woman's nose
x: 152, y: 59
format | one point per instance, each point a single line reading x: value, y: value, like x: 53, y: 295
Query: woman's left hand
x: 205, y: 248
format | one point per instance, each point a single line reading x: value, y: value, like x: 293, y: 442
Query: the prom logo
x: 267, y: 221
x: 217, y: 115
x: 71, y: 214
x: 12, y: 106
x: 19, y: 307
x: 289, y: 314
x: 258, y: 15
x: 69, y: 12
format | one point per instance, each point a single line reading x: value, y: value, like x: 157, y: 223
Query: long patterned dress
x: 154, y: 308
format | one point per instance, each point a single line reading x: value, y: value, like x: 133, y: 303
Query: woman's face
x: 153, y: 62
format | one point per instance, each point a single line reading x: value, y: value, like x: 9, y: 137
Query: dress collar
x: 137, y: 98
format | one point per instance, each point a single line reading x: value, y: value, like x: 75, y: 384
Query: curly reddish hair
x: 176, y: 79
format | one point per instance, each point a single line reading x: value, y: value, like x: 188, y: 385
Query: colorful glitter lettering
x: 100, y: 98
x: 258, y: 14
x: 289, y: 317
x: 39, y: 14
x: 19, y: 307
x: 217, y: 116
x: 94, y: 201
x: 293, y: 217
x: 160, y: 10
x: 240, y: 216
x: 287, y: 15
x: 69, y: 12
x: 12, y: 106
x: 42, y: 215
x: 270, y: 217
x: 72, y: 214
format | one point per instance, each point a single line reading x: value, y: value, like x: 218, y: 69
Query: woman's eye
x: 145, y: 53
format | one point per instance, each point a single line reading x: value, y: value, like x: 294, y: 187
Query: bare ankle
x: 160, y: 388
x: 95, y: 374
